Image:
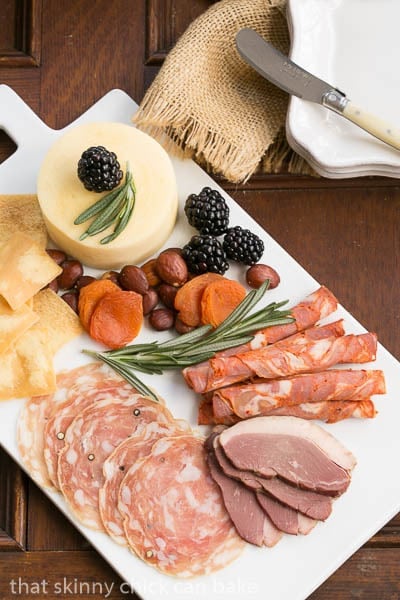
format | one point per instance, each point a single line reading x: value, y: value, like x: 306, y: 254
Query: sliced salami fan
x: 117, y: 465
x: 90, y: 439
x: 88, y: 384
x: 174, y: 516
x: 32, y: 421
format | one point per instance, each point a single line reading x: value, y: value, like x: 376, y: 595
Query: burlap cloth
x: 209, y: 104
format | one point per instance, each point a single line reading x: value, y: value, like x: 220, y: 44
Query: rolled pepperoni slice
x: 87, y: 385
x: 90, y: 439
x: 174, y: 515
x: 119, y: 462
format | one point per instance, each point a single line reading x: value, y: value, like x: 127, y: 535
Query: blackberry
x: 243, y: 246
x: 204, y: 253
x: 207, y: 212
x: 99, y: 169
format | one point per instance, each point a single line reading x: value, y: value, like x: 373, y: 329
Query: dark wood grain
x: 344, y: 232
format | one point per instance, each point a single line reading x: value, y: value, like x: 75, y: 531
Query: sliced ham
x: 295, y: 355
x: 295, y: 450
x: 307, y: 313
x: 260, y: 397
x: 313, y: 505
x: 251, y: 521
x: 283, y: 517
x: 174, y: 515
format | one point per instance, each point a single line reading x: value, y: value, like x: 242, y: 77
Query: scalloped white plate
x: 354, y: 45
x: 297, y: 565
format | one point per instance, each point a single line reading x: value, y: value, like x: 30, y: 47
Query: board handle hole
x: 7, y: 146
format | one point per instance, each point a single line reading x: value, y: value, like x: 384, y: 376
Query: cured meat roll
x: 174, y: 516
x: 90, y: 439
x: 262, y: 396
x: 330, y: 412
x: 226, y: 369
x: 295, y: 355
x: 307, y: 313
x: 117, y: 465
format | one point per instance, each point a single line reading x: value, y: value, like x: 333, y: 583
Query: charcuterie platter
x: 369, y: 502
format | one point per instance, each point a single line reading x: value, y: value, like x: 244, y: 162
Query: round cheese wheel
x: 62, y: 196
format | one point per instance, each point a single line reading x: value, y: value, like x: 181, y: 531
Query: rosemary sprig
x: 198, y: 345
x: 116, y: 207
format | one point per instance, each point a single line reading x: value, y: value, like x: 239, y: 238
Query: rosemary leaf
x: 116, y: 208
x: 196, y: 346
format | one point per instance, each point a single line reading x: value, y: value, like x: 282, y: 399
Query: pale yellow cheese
x: 25, y: 267
x: 62, y: 196
x: 13, y: 323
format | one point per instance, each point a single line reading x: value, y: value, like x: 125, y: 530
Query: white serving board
x: 339, y: 41
x: 296, y: 566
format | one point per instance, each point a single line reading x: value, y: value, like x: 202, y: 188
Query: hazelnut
x: 71, y: 270
x: 83, y: 280
x: 112, y: 276
x: 133, y: 279
x: 171, y: 268
x: 57, y: 255
x: 161, y: 319
x: 71, y: 298
x: 53, y: 285
x: 257, y: 274
x: 149, y: 269
x: 181, y: 327
x: 150, y: 301
x: 167, y: 293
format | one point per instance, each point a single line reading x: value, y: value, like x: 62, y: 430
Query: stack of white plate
x: 353, y: 45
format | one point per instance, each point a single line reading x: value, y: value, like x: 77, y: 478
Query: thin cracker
x: 25, y: 268
x: 13, y: 323
x: 21, y: 212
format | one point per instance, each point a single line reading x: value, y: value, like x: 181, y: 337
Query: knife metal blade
x: 290, y: 77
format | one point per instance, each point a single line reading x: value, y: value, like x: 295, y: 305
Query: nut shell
x: 171, y: 268
x: 257, y: 274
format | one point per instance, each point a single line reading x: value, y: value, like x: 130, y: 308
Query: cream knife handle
x: 337, y: 101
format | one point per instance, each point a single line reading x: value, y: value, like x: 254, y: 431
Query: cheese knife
x: 281, y: 71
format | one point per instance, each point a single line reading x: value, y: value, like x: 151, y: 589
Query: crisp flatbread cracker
x: 58, y: 323
x: 21, y: 212
x: 13, y: 323
x: 26, y: 368
x: 25, y: 268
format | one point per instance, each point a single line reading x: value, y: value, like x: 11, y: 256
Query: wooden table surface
x: 63, y: 55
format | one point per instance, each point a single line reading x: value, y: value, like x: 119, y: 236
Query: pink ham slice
x: 119, y: 462
x: 260, y: 397
x: 250, y: 519
x: 90, y: 439
x: 307, y: 313
x: 314, y: 506
x: 293, y: 449
x: 292, y: 356
x: 174, y: 515
x: 87, y: 384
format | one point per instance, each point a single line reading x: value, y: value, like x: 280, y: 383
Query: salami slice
x: 32, y: 421
x: 90, y: 439
x: 174, y: 516
x: 119, y: 462
x: 88, y: 384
